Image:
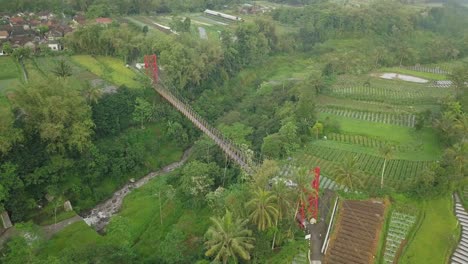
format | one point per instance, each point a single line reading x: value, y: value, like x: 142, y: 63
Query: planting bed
x: 398, y: 173
x: 370, y: 142
x: 400, y: 95
x: 356, y: 233
x: 400, y: 225
x: 400, y: 119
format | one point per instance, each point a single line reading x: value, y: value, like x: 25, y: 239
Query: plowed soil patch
x: 356, y: 233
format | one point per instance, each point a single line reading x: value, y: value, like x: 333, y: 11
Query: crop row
x: 370, y: 142
x: 398, y: 173
x: 380, y: 117
x: 420, y: 68
x: 400, y: 225
x: 397, y: 96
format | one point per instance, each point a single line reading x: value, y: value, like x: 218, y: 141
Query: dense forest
x: 67, y: 139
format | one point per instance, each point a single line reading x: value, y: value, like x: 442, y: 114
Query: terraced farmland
x: 399, y: 119
x: 356, y: 233
x: 398, y: 173
x: 370, y: 142
x: 395, y: 95
x: 400, y: 225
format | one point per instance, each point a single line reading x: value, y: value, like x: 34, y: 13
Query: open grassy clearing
x: 10, y: 69
x: 436, y: 236
x: 110, y: 69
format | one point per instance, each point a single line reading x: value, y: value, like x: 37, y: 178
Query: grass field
x: 77, y: 235
x: 10, y: 69
x: 437, y: 235
x: 110, y: 69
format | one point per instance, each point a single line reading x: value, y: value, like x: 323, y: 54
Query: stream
x: 101, y: 214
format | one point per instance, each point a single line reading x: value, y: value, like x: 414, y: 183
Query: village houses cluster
x: 38, y: 31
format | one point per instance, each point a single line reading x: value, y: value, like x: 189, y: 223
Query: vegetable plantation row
x: 420, y: 68
x: 408, y: 120
x: 391, y: 95
x: 398, y: 173
x: 400, y: 225
x: 370, y: 142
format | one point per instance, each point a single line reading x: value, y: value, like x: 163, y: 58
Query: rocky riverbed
x: 100, y: 215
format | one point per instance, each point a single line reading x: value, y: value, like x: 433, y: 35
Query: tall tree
x: 228, y: 239
x: 143, y: 111
x: 62, y: 69
x: 348, y: 174
x: 58, y: 113
x: 263, y: 211
x: 386, y: 152
x: 303, y: 180
x: 91, y: 93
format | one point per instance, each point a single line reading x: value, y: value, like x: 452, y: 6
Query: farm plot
x: 399, y: 119
x: 385, y: 94
x: 357, y: 232
x: 110, y: 69
x: 400, y: 225
x: 288, y: 170
x: 370, y: 142
x: 398, y: 173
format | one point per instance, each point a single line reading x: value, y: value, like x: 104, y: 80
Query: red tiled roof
x: 16, y: 20
x: 4, y: 33
x: 104, y: 20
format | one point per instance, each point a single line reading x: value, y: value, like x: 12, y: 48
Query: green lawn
x: 110, y: 69
x: 9, y: 68
x: 437, y: 236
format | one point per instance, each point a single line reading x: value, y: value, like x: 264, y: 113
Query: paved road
x: 319, y: 230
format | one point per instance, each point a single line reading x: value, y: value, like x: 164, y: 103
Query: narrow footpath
x: 460, y: 256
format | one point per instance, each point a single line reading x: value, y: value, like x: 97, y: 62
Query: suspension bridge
x: 237, y: 153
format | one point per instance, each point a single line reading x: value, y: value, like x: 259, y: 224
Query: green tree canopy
x: 58, y: 113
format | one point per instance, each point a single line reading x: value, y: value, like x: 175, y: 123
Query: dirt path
x: 100, y: 215
x: 52, y: 229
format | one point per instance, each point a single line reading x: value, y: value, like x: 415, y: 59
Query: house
x: 104, y: 20
x: 44, y: 15
x: 4, y: 35
x: 79, y: 19
x: 219, y: 14
x: 54, y: 35
x: 54, y: 45
x: 17, y: 21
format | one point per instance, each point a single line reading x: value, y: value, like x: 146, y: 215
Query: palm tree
x: 91, y: 93
x: 386, y: 152
x: 303, y: 180
x: 282, y: 196
x: 348, y: 173
x: 457, y: 155
x: 262, y: 209
x: 228, y: 238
